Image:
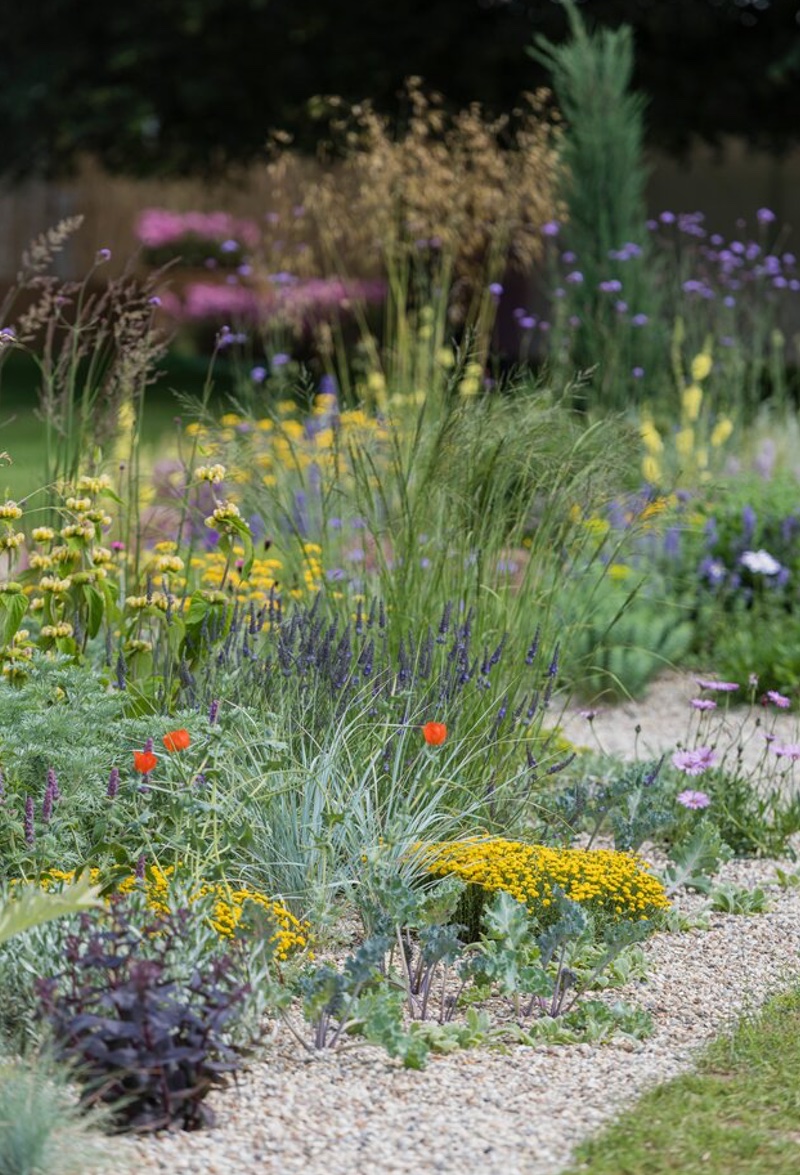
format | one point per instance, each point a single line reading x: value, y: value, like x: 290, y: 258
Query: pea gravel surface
x: 483, y: 1110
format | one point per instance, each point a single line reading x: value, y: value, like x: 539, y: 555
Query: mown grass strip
x: 737, y: 1114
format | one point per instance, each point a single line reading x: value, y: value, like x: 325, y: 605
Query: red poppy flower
x: 177, y: 740
x: 144, y: 761
x: 434, y: 733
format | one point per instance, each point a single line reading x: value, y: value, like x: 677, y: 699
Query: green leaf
x: 696, y: 860
x: 31, y: 906
x: 13, y: 606
x: 95, y: 609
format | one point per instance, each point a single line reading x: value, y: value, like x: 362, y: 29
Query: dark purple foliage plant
x: 145, y: 1043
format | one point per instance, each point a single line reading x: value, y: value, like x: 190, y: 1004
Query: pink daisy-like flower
x: 723, y: 687
x: 694, y: 762
x: 694, y: 799
x: 787, y: 751
x: 779, y: 700
x: 703, y: 704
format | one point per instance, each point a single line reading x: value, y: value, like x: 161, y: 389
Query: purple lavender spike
x: 113, y: 783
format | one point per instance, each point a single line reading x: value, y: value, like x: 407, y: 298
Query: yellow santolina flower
x: 608, y: 882
x: 43, y: 534
x: 10, y: 541
x: 79, y: 504
x: 10, y: 509
x: 229, y: 914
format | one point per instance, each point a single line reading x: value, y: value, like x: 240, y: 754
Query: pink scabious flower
x: 693, y: 799
x: 779, y: 700
x: 703, y: 704
x: 787, y: 751
x: 722, y: 687
x: 694, y: 762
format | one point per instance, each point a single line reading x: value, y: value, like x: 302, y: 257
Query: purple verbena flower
x: 722, y: 687
x: 703, y: 704
x: 779, y: 700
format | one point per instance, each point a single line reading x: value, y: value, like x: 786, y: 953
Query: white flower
x: 760, y: 563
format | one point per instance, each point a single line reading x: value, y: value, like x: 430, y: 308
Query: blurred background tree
x: 181, y: 87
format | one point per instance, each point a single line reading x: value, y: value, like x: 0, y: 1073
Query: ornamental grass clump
x: 612, y: 885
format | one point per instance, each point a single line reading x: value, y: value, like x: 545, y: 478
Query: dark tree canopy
x: 183, y: 86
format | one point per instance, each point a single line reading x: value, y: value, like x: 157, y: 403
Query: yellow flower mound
x: 229, y: 907
x: 611, y: 883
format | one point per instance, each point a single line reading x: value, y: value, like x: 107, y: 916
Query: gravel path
x: 486, y: 1111
x: 665, y: 718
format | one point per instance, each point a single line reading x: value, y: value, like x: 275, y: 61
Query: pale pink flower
x: 694, y: 762
x: 694, y: 799
x: 787, y: 751
x: 779, y: 700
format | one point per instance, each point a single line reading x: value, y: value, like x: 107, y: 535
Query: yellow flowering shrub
x: 610, y: 883
x: 229, y: 905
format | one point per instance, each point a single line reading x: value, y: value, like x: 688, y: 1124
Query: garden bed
x: 522, y: 1109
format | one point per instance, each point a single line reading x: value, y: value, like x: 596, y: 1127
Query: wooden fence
x: 727, y: 184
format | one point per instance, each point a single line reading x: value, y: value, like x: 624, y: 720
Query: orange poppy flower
x: 144, y: 761
x: 177, y: 740
x: 434, y: 733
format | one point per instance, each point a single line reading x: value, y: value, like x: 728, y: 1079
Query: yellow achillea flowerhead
x: 608, y: 882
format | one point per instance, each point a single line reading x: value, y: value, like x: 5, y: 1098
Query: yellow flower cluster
x: 229, y: 913
x: 610, y: 883
x: 264, y: 575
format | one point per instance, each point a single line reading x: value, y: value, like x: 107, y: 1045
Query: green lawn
x: 21, y: 430
x: 738, y: 1114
